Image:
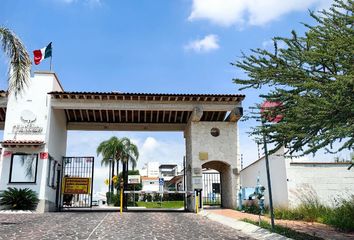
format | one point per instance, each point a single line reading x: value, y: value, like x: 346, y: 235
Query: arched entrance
x: 36, y: 124
x: 226, y: 179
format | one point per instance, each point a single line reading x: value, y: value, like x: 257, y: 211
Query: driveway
x: 101, y: 225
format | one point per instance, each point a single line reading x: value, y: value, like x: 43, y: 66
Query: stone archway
x: 228, y: 192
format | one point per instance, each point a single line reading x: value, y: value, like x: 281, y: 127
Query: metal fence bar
x: 82, y: 167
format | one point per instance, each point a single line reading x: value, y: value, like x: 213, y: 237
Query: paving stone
x: 101, y: 225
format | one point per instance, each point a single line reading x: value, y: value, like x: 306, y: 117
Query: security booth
x: 35, y: 136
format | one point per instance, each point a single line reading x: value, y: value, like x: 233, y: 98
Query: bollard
x: 197, y: 203
x: 121, y: 201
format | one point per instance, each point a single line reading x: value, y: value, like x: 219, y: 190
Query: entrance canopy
x: 143, y: 111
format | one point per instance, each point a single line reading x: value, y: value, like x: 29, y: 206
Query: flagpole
x: 50, y: 68
x: 51, y: 56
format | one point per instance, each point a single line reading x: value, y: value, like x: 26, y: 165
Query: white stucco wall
x: 278, y: 178
x: 329, y: 181
x: 35, y: 99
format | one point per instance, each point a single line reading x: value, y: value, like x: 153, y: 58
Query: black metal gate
x: 211, y: 189
x: 77, y: 182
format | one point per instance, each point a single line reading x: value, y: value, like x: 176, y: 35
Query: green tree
x: 20, y: 62
x: 130, y: 152
x: 313, y: 77
x: 115, y: 150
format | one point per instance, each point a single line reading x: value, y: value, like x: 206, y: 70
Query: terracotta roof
x: 175, y: 179
x: 148, y: 96
x: 149, y: 178
x: 320, y: 163
x: 19, y: 143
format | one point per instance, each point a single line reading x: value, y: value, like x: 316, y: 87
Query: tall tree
x: 20, y: 62
x: 115, y: 150
x: 130, y: 152
x: 313, y: 77
x: 110, y: 151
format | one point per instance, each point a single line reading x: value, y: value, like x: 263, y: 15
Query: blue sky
x: 175, y: 46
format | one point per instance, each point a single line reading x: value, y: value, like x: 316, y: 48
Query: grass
x: 312, y: 210
x: 165, y: 204
x: 287, y: 232
x: 340, y: 217
x: 211, y: 202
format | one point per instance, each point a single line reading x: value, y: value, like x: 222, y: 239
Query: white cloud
x: 157, y: 147
x: 252, y: 12
x: 206, y: 44
x: 269, y: 44
x: 153, y: 150
x: 94, y: 3
x: 89, y: 3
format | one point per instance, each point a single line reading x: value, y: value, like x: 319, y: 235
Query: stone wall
x: 219, y: 153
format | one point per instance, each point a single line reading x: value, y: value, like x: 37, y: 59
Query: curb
x: 246, y: 228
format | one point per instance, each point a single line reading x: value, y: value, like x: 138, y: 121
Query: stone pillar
x: 217, y: 152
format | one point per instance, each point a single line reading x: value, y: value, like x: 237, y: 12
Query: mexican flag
x: 43, y: 53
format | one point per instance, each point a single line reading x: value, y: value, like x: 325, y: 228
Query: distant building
x: 168, y: 171
x: 150, y: 169
x: 150, y: 183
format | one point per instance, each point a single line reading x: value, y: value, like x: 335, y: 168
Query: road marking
x: 97, y: 227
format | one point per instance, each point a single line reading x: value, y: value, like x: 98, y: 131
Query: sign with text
x: 133, y: 179
x: 76, y: 185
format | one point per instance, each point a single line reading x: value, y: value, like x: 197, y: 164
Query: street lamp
x: 267, y: 110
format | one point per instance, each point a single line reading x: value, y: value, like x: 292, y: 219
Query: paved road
x: 100, y: 225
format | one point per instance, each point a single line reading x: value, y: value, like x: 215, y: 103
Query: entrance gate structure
x: 37, y: 122
x: 77, y: 182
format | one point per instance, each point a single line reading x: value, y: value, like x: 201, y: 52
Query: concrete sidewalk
x: 314, y: 229
x: 246, y: 228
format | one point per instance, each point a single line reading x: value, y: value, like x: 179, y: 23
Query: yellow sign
x: 76, y: 185
x: 203, y: 155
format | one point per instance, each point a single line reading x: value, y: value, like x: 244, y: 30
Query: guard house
x: 35, y: 132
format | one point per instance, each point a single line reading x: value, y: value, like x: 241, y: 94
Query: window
x: 23, y: 168
x: 215, y: 132
x: 52, y: 172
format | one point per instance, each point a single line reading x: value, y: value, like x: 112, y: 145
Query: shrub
x: 251, y: 207
x: 115, y: 200
x: 19, y: 199
x: 172, y: 197
x: 156, y: 198
x: 342, y: 217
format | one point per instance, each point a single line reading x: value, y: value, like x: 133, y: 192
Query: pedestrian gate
x: 77, y: 182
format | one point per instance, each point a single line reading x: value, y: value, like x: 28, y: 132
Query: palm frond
x: 20, y: 62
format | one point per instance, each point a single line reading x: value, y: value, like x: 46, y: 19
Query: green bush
x: 115, y: 200
x: 342, y: 217
x: 157, y: 198
x: 19, y: 199
x: 172, y: 197
x: 251, y: 207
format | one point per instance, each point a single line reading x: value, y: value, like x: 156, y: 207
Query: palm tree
x: 20, y: 62
x: 130, y: 152
x: 115, y: 150
x: 111, y: 152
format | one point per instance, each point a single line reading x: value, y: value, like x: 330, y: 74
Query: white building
x: 150, y: 169
x: 150, y: 183
x: 292, y: 180
x: 36, y: 123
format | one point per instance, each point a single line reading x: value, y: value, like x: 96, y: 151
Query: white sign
x: 28, y: 118
x: 27, y: 129
x: 133, y: 179
x: 197, y: 182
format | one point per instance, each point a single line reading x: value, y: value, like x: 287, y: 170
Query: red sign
x: 7, y: 153
x: 268, y: 111
x: 43, y: 155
